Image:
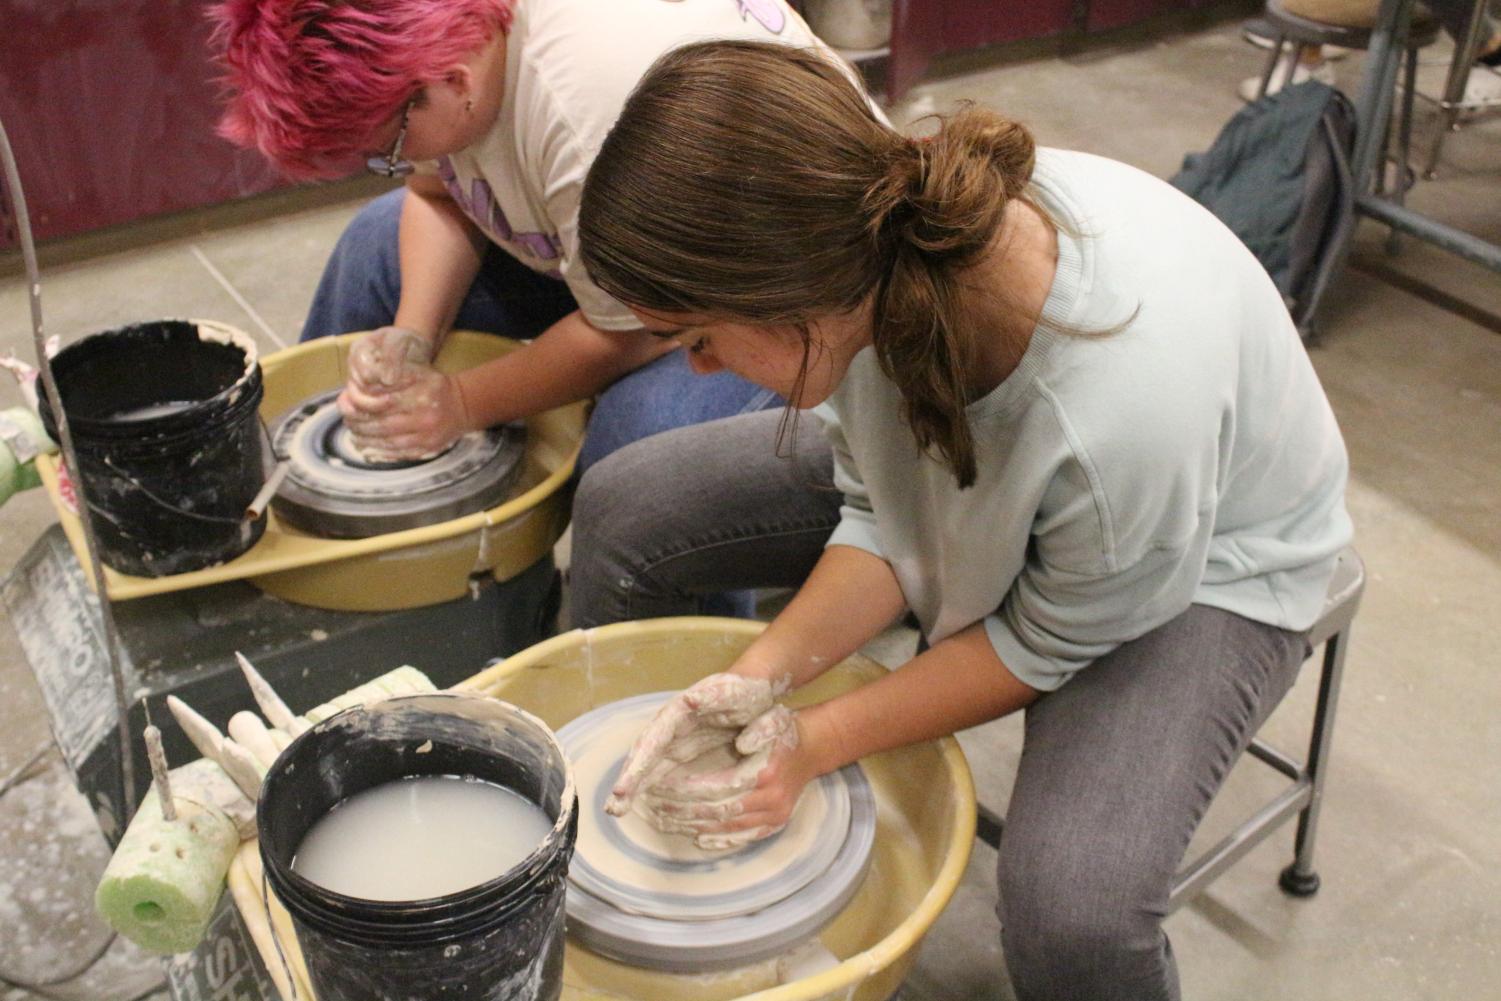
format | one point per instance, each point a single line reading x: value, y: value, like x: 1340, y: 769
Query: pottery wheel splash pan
x: 331, y: 490
x: 654, y: 901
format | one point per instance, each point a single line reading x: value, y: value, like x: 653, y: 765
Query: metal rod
x: 1454, y: 84
x: 1191, y: 880
x: 1373, y: 102
x: 1318, y: 749
x: 65, y: 440
x: 1268, y: 754
x: 988, y: 825
x: 1456, y: 241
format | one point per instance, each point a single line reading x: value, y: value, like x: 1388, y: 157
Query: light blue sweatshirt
x: 1188, y: 457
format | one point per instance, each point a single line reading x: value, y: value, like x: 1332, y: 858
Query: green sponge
x: 165, y: 878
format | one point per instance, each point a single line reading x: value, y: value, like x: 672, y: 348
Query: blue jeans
x: 361, y: 286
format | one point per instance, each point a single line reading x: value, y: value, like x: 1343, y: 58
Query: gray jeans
x: 1118, y: 766
x: 667, y: 522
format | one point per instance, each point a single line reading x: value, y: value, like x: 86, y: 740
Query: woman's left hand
x: 745, y: 802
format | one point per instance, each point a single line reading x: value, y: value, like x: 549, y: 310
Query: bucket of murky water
x: 169, y: 443
x: 421, y: 846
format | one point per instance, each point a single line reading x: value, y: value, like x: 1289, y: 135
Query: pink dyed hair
x: 310, y: 80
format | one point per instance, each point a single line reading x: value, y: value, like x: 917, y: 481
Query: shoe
x: 1261, y: 34
x: 1483, y: 87
x: 1300, y: 72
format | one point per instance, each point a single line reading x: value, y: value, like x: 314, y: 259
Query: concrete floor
x: 1411, y: 358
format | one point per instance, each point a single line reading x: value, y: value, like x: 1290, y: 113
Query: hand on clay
x: 388, y: 358
x: 705, y: 716
x: 725, y: 808
x: 748, y: 801
x: 397, y: 406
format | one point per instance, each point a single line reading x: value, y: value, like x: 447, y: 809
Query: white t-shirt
x: 570, y: 65
x: 1187, y: 456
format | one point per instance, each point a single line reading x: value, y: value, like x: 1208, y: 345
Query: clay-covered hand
x: 745, y: 802
x: 708, y: 715
x: 397, y: 406
x: 388, y: 358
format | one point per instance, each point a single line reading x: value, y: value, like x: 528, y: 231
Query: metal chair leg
x: 1454, y: 86
x: 988, y: 825
x: 1406, y: 178
x: 1299, y: 879
x: 1271, y: 65
x: 1372, y: 111
x: 1383, y: 159
x: 1373, y: 103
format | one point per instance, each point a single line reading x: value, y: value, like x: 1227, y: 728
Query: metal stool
x: 1304, y: 797
x: 1452, y: 101
x: 1290, y: 33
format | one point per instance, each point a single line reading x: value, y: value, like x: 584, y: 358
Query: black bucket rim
x: 225, y: 406
x: 332, y: 914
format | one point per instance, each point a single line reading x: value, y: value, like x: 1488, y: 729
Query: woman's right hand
x: 705, y: 716
x: 397, y: 406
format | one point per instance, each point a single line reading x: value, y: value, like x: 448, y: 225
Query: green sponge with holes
x: 163, y: 881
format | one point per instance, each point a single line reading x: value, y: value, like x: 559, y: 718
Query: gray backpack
x: 1278, y: 175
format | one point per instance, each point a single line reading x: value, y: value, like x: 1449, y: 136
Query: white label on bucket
x: 417, y: 838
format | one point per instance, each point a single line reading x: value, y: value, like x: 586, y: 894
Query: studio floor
x: 1410, y: 354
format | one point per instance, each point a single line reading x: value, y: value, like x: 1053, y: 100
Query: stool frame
x: 1291, y: 32
x: 1451, y: 102
x: 1303, y: 798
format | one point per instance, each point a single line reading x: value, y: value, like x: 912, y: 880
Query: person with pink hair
x: 490, y: 110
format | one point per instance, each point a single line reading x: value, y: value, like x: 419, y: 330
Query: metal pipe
x: 1454, y: 84
x: 1268, y: 754
x: 65, y: 440
x: 1456, y: 241
x: 1188, y: 883
x: 1373, y: 102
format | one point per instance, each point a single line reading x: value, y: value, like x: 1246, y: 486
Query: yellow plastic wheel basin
x: 924, y: 796
x: 406, y: 569
x: 925, y: 821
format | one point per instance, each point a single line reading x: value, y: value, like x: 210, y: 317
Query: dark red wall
x: 110, y: 106
x: 922, y: 29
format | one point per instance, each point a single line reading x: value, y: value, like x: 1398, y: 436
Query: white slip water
x: 420, y: 837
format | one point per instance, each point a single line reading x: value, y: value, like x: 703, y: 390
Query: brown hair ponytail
x: 751, y: 181
x: 934, y: 213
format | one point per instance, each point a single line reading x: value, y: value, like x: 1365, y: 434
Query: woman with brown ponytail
x: 1075, y: 433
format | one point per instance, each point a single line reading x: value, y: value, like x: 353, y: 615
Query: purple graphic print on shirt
x: 480, y: 205
x: 768, y: 12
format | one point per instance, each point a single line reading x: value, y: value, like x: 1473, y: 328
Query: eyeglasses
x: 391, y: 164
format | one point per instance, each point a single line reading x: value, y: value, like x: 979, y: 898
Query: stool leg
x: 988, y: 825
x: 1271, y: 65
x: 1406, y: 177
x: 1454, y: 87
x: 1378, y: 181
x: 1299, y: 879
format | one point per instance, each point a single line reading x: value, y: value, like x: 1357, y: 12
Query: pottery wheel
x: 331, y: 490
x: 655, y: 900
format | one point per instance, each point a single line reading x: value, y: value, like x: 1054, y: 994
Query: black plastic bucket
x: 498, y: 941
x: 170, y: 445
